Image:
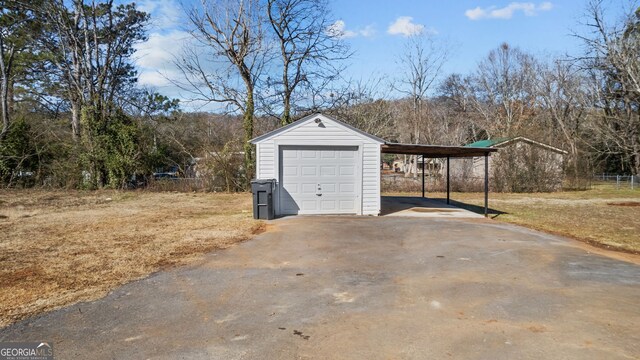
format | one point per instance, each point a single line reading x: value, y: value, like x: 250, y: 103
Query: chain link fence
x: 618, y: 181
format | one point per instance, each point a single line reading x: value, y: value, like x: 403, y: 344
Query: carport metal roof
x: 436, y: 151
x: 448, y: 152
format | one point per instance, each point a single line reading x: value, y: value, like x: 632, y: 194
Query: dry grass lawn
x: 58, y: 248
x: 602, y: 216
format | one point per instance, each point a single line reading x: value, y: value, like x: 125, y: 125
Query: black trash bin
x: 262, y: 190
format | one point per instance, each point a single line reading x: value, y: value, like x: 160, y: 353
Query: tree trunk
x: 286, y: 113
x: 286, y: 103
x: 636, y: 166
x: 247, y: 125
x: 4, y: 104
x: 75, y: 120
x: 5, y: 69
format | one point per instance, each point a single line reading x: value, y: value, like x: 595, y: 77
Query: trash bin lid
x: 263, y: 181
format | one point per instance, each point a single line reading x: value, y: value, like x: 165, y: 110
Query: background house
x: 520, y: 165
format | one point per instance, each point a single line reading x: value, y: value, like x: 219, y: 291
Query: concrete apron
x: 409, y: 206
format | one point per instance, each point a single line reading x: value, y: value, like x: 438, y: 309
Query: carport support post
x: 448, y: 178
x: 422, y: 174
x: 486, y: 184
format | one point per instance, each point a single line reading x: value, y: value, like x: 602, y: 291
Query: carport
x: 444, y: 152
x: 320, y: 165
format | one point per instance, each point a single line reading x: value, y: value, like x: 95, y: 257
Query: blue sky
x: 376, y: 31
x: 538, y: 27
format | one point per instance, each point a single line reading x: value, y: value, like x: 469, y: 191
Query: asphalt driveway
x: 366, y: 288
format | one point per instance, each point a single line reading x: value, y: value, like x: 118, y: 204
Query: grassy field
x: 58, y: 248
x: 602, y: 216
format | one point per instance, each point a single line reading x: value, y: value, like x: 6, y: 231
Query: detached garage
x: 321, y: 166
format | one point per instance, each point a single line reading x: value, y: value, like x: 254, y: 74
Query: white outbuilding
x: 321, y: 166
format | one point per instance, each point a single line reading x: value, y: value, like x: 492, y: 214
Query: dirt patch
x: 626, y: 203
x: 58, y: 248
x: 537, y: 328
x: 263, y: 228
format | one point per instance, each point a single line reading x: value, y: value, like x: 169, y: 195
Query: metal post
x: 631, y: 182
x: 448, y: 178
x: 617, y: 182
x: 422, y: 175
x: 486, y: 185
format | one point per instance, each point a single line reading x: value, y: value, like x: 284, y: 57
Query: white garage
x: 321, y: 166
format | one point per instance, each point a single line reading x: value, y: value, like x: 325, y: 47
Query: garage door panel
x: 347, y: 170
x: 290, y: 171
x: 309, y: 205
x: 328, y: 154
x: 346, y: 204
x: 293, y: 188
x: 328, y: 188
x: 290, y: 155
x: 332, y: 169
x: 328, y: 205
x: 327, y: 170
x: 347, y: 188
x: 309, y: 188
x: 309, y: 171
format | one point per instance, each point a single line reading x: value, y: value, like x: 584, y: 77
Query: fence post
x: 631, y: 182
x: 617, y: 182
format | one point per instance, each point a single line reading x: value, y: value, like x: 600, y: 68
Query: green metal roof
x: 488, y: 143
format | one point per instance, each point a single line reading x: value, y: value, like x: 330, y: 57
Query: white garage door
x: 319, y: 180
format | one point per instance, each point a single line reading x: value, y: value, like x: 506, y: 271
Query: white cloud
x: 404, y: 26
x: 367, y: 31
x: 492, y: 12
x: 545, y: 6
x: 164, y: 13
x: 153, y: 79
x: 154, y: 57
x: 339, y: 29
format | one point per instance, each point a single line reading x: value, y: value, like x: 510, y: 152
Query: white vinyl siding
x: 327, y: 133
x: 265, y: 160
x: 371, y: 179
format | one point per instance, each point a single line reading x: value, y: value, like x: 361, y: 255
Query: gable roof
x: 305, y: 120
x: 499, y: 142
x: 488, y: 143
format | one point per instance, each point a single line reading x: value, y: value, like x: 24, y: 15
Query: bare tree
x: 364, y: 105
x: 614, y: 65
x: 457, y: 97
x: 310, y: 49
x: 212, y: 145
x: 505, y: 91
x: 562, y: 91
x: 232, y: 36
x: 421, y: 60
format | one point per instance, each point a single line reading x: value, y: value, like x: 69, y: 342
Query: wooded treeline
x: 74, y: 116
